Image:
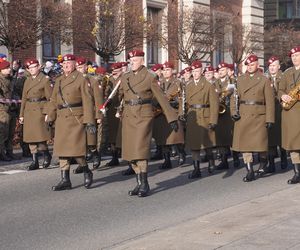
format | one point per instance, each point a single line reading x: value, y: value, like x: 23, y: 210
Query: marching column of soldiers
x: 203, y: 110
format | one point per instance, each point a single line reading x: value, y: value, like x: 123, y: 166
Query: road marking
x: 13, y: 172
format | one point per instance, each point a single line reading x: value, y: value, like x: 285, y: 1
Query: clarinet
x: 236, y: 116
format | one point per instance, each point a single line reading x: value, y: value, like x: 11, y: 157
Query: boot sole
x: 61, y: 189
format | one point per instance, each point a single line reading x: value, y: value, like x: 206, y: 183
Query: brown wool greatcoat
x: 163, y: 132
x: 290, y: 125
x: 137, y: 120
x: 198, y: 135
x: 274, y: 135
x: 113, y: 122
x: 250, y: 132
x: 35, y: 128
x: 224, y: 130
x: 96, y: 92
x: 70, y: 135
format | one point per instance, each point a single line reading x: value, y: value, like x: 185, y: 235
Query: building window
x: 51, y: 46
x: 288, y: 9
x: 153, y: 15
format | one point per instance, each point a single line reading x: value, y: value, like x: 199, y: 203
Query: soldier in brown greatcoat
x: 96, y: 92
x: 171, y: 88
x: 114, y: 126
x: 138, y: 87
x: 71, y: 108
x: 274, y: 137
x: 224, y: 130
x: 5, y: 97
x: 36, y: 94
x: 202, y: 118
x: 290, y: 117
x: 257, y: 115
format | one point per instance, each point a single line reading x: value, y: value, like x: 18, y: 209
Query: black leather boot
x: 181, y: 154
x: 96, y: 159
x: 196, y: 173
x: 129, y: 170
x: 263, y: 163
x: 4, y: 157
x: 89, y: 155
x: 158, y: 155
x: 167, y: 164
x: 271, y: 168
x: 65, y: 182
x: 236, y: 159
x: 250, y: 173
x: 88, y: 177
x: 296, y: 178
x: 173, y: 151
x: 224, y: 162
x: 135, y: 191
x: 25, y: 149
x: 144, y: 188
x: 34, y: 164
x: 115, y: 159
x: 78, y: 170
x: 211, y: 166
x: 283, y: 159
x: 47, y: 159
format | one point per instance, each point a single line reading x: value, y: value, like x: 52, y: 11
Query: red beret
x: 135, y: 52
x: 80, y: 61
x: 116, y: 65
x: 187, y: 69
x: 208, y: 69
x: 68, y: 57
x: 252, y: 58
x: 294, y: 50
x: 124, y: 64
x: 222, y: 65
x: 4, y: 64
x: 100, y: 71
x: 272, y: 59
x: 230, y: 66
x: 156, y: 67
x: 30, y: 61
x: 196, y: 65
x: 168, y: 65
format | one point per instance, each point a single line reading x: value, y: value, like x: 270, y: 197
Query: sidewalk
x: 268, y: 222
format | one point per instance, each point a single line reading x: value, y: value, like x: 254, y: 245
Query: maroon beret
x: 4, y: 64
x: 68, y: 57
x: 30, y: 61
x: 124, y: 64
x: 208, y: 69
x: 196, y: 65
x: 294, y: 50
x: 100, y: 71
x: 116, y: 65
x: 252, y: 58
x: 272, y: 59
x: 135, y: 52
x: 187, y: 69
x: 156, y: 67
x: 80, y: 61
x: 168, y: 65
x: 222, y: 65
x: 230, y: 66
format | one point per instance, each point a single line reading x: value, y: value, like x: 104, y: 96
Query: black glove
x: 182, y: 118
x: 174, y: 125
x: 235, y: 117
x: 49, y: 125
x: 269, y: 125
x: 212, y: 126
x: 90, y: 128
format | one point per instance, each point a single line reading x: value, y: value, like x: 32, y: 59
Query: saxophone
x: 223, y: 99
x: 158, y: 110
x: 294, y: 93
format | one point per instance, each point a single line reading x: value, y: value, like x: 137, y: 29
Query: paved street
x: 175, y: 216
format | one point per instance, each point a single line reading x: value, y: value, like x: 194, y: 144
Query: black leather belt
x: 134, y: 102
x: 247, y: 102
x: 36, y: 99
x: 199, y: 106
x: 74, y: 105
